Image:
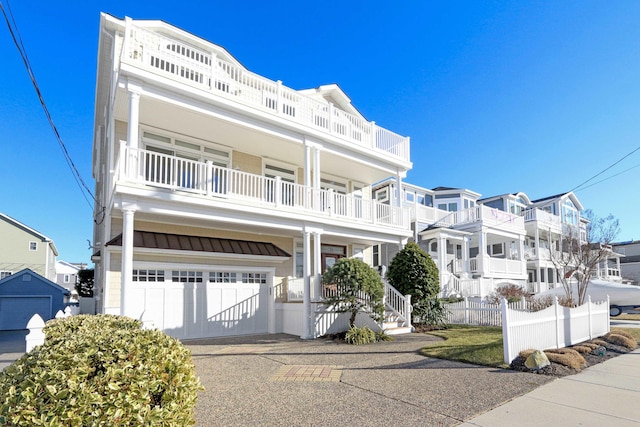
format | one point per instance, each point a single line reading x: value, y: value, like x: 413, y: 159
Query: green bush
x: 100, y: 371
x: 358, y: 336
x: 432, y: 312
x: 383, y: 336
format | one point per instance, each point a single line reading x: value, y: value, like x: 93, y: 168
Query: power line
x: 605, y: 169
x: 609, y: 177
x: 17, y: 40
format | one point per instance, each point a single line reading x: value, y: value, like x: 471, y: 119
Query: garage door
x: 199, y: 304
x: 16, y: 311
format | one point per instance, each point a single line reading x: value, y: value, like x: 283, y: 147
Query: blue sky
x: 497, y: 97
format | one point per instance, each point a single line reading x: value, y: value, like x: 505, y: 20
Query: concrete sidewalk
x: 602, y: 395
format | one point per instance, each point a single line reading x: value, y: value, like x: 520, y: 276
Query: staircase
x: 397, y: 314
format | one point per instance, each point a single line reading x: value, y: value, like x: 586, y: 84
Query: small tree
x: 85, y: 283
x: 576, y: 258
x: 412, y: 271
x: 353, y: 286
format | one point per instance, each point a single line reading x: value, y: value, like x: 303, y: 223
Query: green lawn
x: 480, y: 345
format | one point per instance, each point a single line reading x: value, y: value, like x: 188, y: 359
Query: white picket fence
x: 553, y: 327
x: 36, y: 324
x: 480, y: 313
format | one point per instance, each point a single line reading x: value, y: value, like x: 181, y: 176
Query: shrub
x: 100, y: 370
x: 383, y: 336
x: 540, y: 303
x: 567, y: 357
x: 621, y: 340
x: 356, y: 287
x: 431, y: 312
x: 511, y: 292
x: 358, y: 336
x: 412, y: 271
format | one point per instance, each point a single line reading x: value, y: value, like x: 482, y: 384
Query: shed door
x: 16, y: 311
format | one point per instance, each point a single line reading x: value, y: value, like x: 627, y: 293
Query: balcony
x: 199, y: 67
x: 497, y: 266
x: 487, y: 216
x: 541, y: 216
x: 156, y: 170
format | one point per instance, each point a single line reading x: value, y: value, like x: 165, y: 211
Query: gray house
x: 630, y: 263
x: 26, y: 293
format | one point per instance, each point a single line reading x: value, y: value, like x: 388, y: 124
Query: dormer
x: 514, y: 203
x: 333, y: 94
x: 454, y: 199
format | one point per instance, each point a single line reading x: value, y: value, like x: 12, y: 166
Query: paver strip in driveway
x: 314, y: 373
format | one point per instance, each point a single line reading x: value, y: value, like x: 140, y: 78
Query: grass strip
x: 480, y: 345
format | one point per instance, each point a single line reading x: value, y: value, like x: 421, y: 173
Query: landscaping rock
x: 537, y: 360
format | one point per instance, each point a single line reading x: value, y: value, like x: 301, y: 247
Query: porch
x: 238, y: 190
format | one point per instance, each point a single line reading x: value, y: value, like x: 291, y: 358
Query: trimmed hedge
x: 100, y: 370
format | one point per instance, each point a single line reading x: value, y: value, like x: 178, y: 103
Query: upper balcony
x: 486, y: 216
x: 197, y: 65
x: 544, y: 219
x: 242, y: 191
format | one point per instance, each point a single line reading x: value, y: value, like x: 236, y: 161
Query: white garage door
x: 198, y: 304
x: 16, y: 311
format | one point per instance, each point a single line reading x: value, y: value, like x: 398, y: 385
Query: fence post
x: 466, y: 311
x: 590, y: 317
x: 523, y: 303
x: 35, y: 336
x: 506, y: 344
x: 558, y: 324
x: 608, y: 318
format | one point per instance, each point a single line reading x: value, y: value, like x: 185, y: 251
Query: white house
x: 223, y: 195
x: 67, y: 274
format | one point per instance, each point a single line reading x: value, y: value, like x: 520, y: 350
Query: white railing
x: 204, y: 178
x: 455, y: 286
x: 399, y: 304
x: 553, y: 327
x: 505, y: 266
x: 488, y: 216
x: 478, y: 312
x: 536, y: 214
x: 199, y: 67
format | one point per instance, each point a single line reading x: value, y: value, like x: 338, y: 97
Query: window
x: 452, y: 207
x: 410, y: 196
x: 33, y: 246
x: 466, y: 204
x: 442, y: 206
x: 495, y: 249
x: 569, y: 213
x: 376, y: 255
x: 542, y: 275
x: 186, y: 276
x: 222, y: 277
x: 254, y: 278
x: 299, y: 260
x: 148, y: 275
x: 382, y: 195
x: 4, y: 274
x: 66, y: 278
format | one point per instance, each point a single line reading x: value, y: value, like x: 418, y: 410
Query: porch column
x: 307, y: 172
x: 133, y: 125
x: 126, y: 269
x: 465, y: 254
x: 537, y: 240
x: 618, y: 267
x: 442, y: 254
x: 316, y: 167
x: 399, y: 189
x: 306, y: 296
x: 317, y: 265
x: 482, y: 251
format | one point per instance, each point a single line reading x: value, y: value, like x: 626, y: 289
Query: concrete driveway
x: 282, y: 380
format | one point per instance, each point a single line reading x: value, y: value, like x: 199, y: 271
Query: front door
x: 329, y: 260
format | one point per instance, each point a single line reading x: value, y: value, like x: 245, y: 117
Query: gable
x: 27, y: 282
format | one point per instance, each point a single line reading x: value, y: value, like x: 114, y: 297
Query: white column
x: 306, y: 297
x: 482, y: 252
x: 126, y: 269
x: 132, y: 127
x: 316, y: 167
x: 317, y: 265
x: 307, y: 174
x: 465, y: 254
x: 442, y: 254
x: 399, y: 189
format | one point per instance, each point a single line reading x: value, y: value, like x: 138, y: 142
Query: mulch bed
x: 558, y: 370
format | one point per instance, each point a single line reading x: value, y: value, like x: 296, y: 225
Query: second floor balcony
x: 242, y: 190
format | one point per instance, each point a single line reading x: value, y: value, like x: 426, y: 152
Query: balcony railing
x: 201, y: 68
x: 204, y: 178
x: 488, y: 216
x: 494, y: 265
x: 536, y: 214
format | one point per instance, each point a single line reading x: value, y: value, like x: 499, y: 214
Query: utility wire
x: 609, y: 177
x: 17, y: 40
x: 604, y: 170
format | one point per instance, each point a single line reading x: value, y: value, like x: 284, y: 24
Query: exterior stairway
x: 397, y: 314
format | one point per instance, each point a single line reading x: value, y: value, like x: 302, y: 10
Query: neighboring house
x: 26, y: 293
x: 222, y: 195
x: 481, y: 244
x: 630, y: 262
x: 23, y: 247
x: 67, y: 274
